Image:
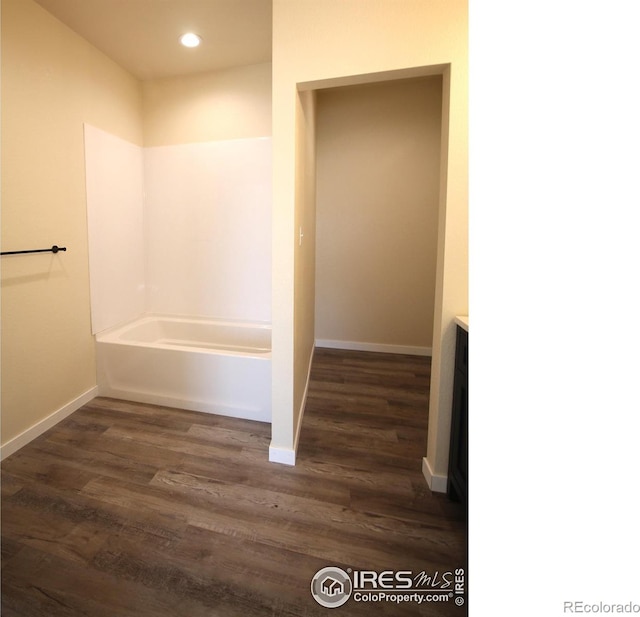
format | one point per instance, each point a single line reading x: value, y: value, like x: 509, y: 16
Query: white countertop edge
x: 462, y: 321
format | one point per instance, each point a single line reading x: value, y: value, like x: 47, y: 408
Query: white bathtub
x: 221, y: 367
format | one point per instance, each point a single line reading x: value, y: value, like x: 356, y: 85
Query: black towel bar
x: 53, y: 249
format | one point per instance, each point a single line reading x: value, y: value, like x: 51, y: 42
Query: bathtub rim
x: 111, y: 336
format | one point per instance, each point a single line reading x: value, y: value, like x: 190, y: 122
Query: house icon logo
x: 331, y: 587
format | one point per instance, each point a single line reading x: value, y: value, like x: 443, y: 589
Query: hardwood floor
x: 126, y: 509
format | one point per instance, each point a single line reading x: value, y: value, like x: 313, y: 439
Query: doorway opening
x: 313, y: 247
x: 378, y: 149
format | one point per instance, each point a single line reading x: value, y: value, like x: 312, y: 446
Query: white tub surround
x: 221, y: 367
x: 179, y: 230
x: 115, y: 216
x: 208, y: 229
x: 182, y: 230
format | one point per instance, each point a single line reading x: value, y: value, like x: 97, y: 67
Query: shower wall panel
x: 208, y: 229
x: 115, y: 204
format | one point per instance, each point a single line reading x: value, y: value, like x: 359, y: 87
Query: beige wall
x: 52, y: 82
x: 230, y: 104
x: 305, y: 250
x: 319, y: 41
x: 377, y: 209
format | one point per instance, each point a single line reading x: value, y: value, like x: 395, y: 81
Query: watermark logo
x: 331, y: 587
x: 579, y: 606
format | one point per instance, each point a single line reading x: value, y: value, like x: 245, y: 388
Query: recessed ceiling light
x: 190, y: 39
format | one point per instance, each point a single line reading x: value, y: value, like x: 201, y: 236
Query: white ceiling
x: 142, y: 35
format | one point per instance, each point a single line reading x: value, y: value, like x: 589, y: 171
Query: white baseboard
x: 437, y: 483
x: 378, y: 347
x: 287, y: 456
x: 13, y: 445
x: 258, y: 415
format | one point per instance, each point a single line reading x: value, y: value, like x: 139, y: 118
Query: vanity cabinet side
x: 457, y: 479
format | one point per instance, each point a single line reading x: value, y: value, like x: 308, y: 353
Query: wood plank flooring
x: 126, y: 509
